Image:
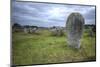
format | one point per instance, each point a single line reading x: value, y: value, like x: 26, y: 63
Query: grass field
x: 43, y: 48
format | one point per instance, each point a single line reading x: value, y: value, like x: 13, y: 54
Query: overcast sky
x: 47, y: 15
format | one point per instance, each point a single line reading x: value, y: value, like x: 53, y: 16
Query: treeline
x: 18, y: 27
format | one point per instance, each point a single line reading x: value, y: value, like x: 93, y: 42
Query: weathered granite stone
x: 74, y: 27
x: 57, y: 31
x: 26, y: 30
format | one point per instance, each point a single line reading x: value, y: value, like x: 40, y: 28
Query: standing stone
x: 54, y: 31
x: 74, y: 25
x: 57, y: 31
x: 26, y: 30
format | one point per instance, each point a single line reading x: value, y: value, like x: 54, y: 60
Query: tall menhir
x: 74, y: 27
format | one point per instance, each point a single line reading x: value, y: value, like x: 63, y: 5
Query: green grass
x: 43, y: 48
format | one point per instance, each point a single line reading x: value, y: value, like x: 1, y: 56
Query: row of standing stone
x: 74, y: 28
